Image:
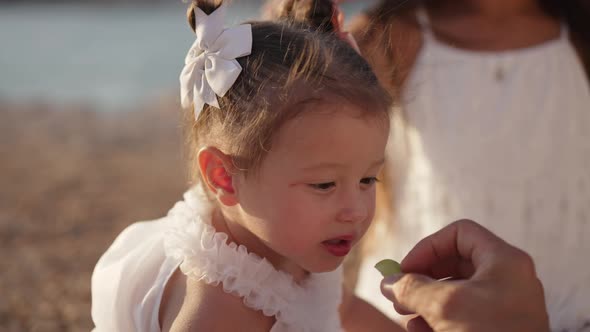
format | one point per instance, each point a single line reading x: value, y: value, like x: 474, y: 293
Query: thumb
x: 411, y: 293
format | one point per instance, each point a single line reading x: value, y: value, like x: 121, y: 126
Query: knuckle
x: 466, y: 223
x: 537, y: 290
x: 523, y: 263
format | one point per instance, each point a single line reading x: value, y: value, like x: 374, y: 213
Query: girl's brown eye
x: 370, y: 180
x: 323, y: 186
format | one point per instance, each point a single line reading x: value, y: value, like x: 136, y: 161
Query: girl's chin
x: 326, y: 266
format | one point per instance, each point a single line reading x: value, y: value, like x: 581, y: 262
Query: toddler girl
x: 288, y: 129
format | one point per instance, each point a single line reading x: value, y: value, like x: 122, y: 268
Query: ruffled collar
x: 204, y: 254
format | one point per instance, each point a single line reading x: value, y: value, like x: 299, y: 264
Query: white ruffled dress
x: 129, y: 279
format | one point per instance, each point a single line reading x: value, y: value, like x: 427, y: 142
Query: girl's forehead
x: 322, y: 120
x: 337, y: 134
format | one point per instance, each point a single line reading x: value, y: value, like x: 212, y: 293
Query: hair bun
x: 207, y: 6
x: 317, y: 14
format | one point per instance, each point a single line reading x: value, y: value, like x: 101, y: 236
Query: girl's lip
x: 347, y: 237
x: 338, y: 249
x: 341, y: 248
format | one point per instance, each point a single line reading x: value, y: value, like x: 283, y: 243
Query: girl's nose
x: 354, y: 208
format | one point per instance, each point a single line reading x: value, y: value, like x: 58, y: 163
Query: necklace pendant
x: 499, y: 74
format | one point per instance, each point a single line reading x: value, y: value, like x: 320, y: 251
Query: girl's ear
x: 216, y: 171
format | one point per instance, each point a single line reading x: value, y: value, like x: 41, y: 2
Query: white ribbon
x: 211, y: 67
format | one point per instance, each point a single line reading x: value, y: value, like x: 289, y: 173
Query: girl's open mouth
x: 340, y: 246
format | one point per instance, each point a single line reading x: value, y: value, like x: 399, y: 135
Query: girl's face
x: 314, y: 195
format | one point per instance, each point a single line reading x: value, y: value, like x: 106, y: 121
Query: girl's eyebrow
x: 323, y: 166
x: 328, y: 165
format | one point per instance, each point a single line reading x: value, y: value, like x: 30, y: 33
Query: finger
x: 410, y: 293
x: 463, y: 240
x: 454, y: 267
x: 418, y: 324
x: 401, y: 310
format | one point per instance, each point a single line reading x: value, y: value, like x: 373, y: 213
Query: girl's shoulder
x: 192, y: 305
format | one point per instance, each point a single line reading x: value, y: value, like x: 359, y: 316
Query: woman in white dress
x: 494, y: 126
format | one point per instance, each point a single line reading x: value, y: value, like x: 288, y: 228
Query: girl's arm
x: 189, y: 305
x: 358, y: 315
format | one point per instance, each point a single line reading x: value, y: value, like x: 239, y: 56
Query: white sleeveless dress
x: 129, y: 279
x: 502, y: 138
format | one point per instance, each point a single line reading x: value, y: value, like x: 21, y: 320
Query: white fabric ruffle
x: 206, y: 255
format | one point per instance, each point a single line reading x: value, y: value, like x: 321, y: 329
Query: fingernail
x: 389, y: 281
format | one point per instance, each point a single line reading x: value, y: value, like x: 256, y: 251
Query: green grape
x: 388, y: 267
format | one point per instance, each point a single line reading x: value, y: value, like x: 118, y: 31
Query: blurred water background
x: 109, y: 55
x: 90, y: 141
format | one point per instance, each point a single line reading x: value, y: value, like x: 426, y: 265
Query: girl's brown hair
x: 293, y: 64
x: 317, y: 14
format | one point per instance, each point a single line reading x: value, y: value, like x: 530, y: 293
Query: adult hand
x: 494, y: 286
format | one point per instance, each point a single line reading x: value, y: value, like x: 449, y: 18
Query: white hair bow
x: 211, y: 67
